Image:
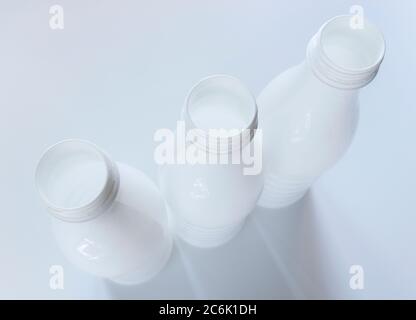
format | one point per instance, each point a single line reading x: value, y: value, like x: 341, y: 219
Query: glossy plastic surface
x: 210, y: 202
x: 309, y: 113
x: 124, y: 236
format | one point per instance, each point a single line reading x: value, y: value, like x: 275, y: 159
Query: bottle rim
x: 332, y: 72
x: 102, y: 199
x: 225, y: 144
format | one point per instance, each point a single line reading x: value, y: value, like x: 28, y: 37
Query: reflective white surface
x: 118, y: 72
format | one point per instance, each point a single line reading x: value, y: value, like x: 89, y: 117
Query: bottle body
x: 129, y: 242
x: 307, y: 126
x: 108, y: 218
x: 208, y: 203
x: 210, y: 196
x: 309, y: 113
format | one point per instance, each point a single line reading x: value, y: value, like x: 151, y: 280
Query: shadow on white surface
x: 172, y: 282
x: 277, y: 255
x: 293, y: 237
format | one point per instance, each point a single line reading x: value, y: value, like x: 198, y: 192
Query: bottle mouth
x: 224, y: 113
x: 76, y: 180
x: 346, y: 53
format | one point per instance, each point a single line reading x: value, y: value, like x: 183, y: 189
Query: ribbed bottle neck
x: 211, y: 142
x: 333, y: 54
x: 99, y: 205
x: 54, y: 163
x: 217, y: 139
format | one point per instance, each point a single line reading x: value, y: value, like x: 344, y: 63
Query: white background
x: 121, y: 69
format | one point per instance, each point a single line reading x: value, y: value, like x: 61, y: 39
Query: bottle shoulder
x: 303, y: 118
x: 297, y: 95
x: 211, y: 195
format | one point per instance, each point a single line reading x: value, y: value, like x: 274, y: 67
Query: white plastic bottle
x: 309, y: 113
x: 209, y: 201
x: 109, y: 219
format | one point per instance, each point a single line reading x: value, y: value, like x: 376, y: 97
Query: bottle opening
x: 351, y: 45
x: 222, y: 107
x: 346, y: 53
x: 75, y: 178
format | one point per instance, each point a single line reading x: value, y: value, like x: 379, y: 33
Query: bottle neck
x: 220, y: 141
x: 103, y: 201
x: 220, y: 113
x: 343, y: 57
x: 76, y: 180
